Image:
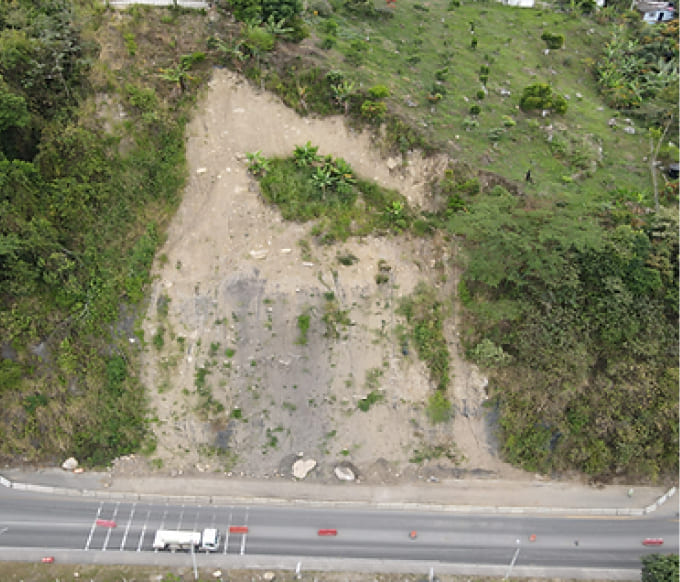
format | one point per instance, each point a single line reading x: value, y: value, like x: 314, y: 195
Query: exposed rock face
x: 302, y: 467
x: 70, y: 464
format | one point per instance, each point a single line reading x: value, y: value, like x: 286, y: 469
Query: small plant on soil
x: 303, y: 322
x: 371, y: 398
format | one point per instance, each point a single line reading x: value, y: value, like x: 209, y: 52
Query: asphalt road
x: 29, y: 520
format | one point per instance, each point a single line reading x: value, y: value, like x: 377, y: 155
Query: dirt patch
x: 236, y: 383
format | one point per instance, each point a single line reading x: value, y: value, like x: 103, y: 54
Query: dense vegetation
x: 81, y: 215
x: 660, y: 568
x: 569, y: 290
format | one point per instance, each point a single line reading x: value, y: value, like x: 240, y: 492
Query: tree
x: 13, y: 110
x: 660, y: 568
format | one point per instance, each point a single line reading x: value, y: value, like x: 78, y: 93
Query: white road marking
x: 94, y: 524
x: 165, y: 514
x: 181, y: 517
x: 141, y: 536
x: 226, y: 535
x: 3, y: 530
x: 108, y: 533
x: 243, y: 539
x: 198, y: 510
x: 127, y: 529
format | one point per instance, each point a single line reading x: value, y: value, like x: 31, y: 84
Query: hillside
x: 461, y: 265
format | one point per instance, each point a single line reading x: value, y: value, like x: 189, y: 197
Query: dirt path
x: 234, y: 385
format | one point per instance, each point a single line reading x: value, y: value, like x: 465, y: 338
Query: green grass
x: 328, y: 191
x: 416, y: 52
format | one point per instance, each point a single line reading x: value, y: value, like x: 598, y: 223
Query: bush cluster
x: 541, y: 96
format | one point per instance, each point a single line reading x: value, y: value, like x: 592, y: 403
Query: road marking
x: 127, y: 529
x: 226, y: 534
x: 141, y: 536
x: 3, y: 530
x: 243, y: 544
x: 94, y: 524
x: 108, y: 533
x: 165, y: 514
x: 198, y: 510
x: 181, y: 517
x: 514, y: 559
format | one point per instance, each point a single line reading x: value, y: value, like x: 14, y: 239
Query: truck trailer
x: 167, y: 539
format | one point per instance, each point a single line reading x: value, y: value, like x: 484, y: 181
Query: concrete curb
x: 406, y: 505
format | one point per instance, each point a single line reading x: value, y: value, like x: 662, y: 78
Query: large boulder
x: 344, y: 473
x: 302, y: 467
x: 70, y: 464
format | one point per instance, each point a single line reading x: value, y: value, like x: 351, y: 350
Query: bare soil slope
x: 231, y: 283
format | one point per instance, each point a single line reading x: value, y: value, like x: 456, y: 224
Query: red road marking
x: 47, y: 560
x: 238, y: 529
x: 106, y: 523
x: 328, y: 532
x: 652, y: 542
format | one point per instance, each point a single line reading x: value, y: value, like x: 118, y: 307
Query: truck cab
x: 210, y: 540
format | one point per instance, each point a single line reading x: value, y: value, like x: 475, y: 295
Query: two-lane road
x: 30, y: 520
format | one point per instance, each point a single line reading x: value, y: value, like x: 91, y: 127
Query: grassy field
x: 423, y: 54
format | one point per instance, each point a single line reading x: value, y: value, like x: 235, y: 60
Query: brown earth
x: 230, y: 284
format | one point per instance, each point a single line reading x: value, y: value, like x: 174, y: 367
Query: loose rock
x: 69, y: 464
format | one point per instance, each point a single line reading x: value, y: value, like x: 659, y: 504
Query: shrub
x: 259, y: 40
x: 470, y: 123
x: 438, y: 407
x: 475, y: 109
x: 509, y: 121
x: 371, y: 398
x: 303, y: 322
x: 480, y: 94
x: 660, y: 568
x: 379, y: 92
x: 329, y: 26
x: 355, y: 53
x: 541, y: 96
x: 495, y: 134
x: 552, y: 40
x: 328, y: 42
x: 373, y: 110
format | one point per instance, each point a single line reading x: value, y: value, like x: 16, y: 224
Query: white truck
x: 172, y: 539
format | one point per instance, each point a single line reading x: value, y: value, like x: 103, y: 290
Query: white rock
x: 344, y: 473
x: 201, y: 170
x: 630, y: 130
x: 69, y: 464
x: 269, y: 576
x: 392, y: 163
x: 286, y: 251
x: 217, y: 574
x: 259, y: 253
x: 302, y: 468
